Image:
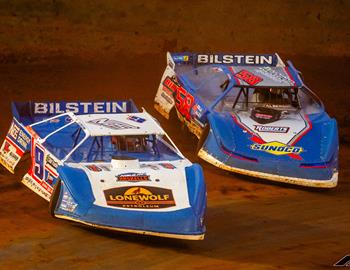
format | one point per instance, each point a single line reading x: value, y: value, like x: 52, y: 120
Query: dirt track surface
x: 251, y: 224
x: 49, y: 50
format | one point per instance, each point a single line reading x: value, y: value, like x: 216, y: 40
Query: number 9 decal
x: 39, y: 156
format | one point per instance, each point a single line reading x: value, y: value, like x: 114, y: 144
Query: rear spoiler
x: 19, y: 137
x: 32, y: 111
x: 231, y: 59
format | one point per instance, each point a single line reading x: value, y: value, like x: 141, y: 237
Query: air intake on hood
x: 124, y: 162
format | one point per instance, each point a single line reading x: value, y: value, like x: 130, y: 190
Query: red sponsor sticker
x: 248, y: 77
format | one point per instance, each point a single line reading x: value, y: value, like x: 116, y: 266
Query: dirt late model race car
x: 253, y: 115
x: 107, y: 165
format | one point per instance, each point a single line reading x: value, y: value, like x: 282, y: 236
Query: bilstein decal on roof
x: 236, y: 59
x: 112, y: 124
x: 277, y: 148
x: 139, y: 197
x: 80, y: 107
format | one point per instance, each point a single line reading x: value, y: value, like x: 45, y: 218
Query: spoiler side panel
x: 16, y: 143
x: 164, y: 100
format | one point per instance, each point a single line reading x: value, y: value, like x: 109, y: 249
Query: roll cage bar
x: 76, y: 135
x: 228, y: 85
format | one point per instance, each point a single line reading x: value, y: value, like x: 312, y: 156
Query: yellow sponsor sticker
x: 277, y: 148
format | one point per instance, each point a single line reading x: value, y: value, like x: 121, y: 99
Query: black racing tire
x: 54, y: 197
x: 203, y: 138
x: 173, y: 114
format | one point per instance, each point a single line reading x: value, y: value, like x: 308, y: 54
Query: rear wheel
x: 203, y: 138
x: 54, y: 197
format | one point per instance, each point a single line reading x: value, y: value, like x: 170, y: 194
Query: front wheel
x: 54, y: 197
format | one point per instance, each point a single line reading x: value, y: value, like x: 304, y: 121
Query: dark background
x: 108, y: 50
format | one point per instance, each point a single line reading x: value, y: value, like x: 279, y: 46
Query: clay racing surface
x: 251, y: 224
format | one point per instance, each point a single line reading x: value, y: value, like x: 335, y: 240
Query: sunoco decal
x: 133, y: 177
x: 139, y: 197
x: 271, y: 129
x: 277, y: 148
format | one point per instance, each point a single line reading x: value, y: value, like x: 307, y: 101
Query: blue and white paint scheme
x: 253, y: 115
x: 107, y: 165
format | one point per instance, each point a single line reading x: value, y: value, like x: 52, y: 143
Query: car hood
x: 294, y: 137
x: 162, y: 183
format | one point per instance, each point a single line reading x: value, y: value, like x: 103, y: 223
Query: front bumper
x: 187, y: 223
x: 327, y: 183
x: 199, y: 236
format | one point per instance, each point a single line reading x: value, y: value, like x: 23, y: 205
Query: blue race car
x: 253, y: 115
x: 107, y: 165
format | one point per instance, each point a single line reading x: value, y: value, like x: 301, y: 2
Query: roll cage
x: 63, y: 140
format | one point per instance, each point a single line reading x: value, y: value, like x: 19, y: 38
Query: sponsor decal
x: 17, y: 141
x: 217, y: 69
x: 9, y: 155
x: 277, y: 148
x: 93, y: 168
x: 184, y: 101
x: 271, y: 129
x: 19, y: 135
x: 197, y: 110
x: 112, y: 124
x: 274, y: 75
x: 80, y: 107
x: 167, y: 166
x: 263, y: 116
x: 44, y: 166
x: 50, y: 179
x: 151, y: 166
x: 42, y: 189
x: 51, y: 162
x: 167, y: 97
x: 140, y: 197
x: 136, y: 119
x: 133, y: 177
x: 181, y: 58
x: 105, y: 167
x: 236, y: 59
x: 170, y: 85
x: 67, y: 203
x: 56, y: 120
x: 248, y: 77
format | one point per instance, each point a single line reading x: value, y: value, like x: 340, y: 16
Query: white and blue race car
x: 107, y: 165
x: 253, y: 115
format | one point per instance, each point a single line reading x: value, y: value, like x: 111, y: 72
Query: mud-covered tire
x: 173, y: 114
x: 203, y: 138
x: 54, y: 197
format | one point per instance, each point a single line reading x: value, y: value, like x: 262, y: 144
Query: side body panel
x: 43, y: 173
